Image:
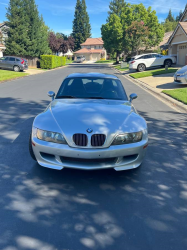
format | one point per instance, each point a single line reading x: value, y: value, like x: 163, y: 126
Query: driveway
x: 43, y: 209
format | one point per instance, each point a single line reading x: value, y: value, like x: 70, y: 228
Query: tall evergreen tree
x: 78, y: 26
x: 179, y: 16
x: 86, y: 21
x: 17, y: 31
x: 170, y: 17
x: 27, y: 33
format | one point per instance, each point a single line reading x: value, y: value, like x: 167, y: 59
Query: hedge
x: 51, y: 61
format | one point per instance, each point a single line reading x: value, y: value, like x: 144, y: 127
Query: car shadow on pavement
x: 73, y: 209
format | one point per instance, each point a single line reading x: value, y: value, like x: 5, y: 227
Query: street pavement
x: 44, y: 209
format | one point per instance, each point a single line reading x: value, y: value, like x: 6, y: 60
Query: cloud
x: 3, y: 3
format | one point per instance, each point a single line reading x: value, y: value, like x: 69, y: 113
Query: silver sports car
x: 90, y: 124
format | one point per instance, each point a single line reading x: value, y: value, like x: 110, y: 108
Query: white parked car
x: 142, y: 62
x: 181, y: 76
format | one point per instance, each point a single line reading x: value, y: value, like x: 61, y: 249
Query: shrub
x: 51, y: 61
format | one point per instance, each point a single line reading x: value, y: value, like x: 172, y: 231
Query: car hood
x: 182, y: 70
x: 109, y: 117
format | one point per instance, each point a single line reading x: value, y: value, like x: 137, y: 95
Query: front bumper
x: 59, y: 156
x: 180, y: 79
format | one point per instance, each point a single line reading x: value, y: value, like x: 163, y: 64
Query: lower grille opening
x: 90, y: 162
x: 130, y: 158
x: 48, y: 157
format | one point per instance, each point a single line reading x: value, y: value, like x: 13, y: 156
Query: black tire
x: 141, y: 67
x: 31, y: 149
x: 16, y: 68
x: 168, y: 62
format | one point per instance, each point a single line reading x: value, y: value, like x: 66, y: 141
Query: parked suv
x: 13, y: 63
x: 141, y: 62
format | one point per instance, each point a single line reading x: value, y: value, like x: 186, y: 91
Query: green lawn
x: 152, y: 73
x: 8, y: 75
x: 105, y: 61
x: 178, y: 94
x: 68, y: 61
x: 121, y: 69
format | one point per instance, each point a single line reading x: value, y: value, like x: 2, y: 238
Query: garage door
x: 182, y: 54
x: 95, y: 57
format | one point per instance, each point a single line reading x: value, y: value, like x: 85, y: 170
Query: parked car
x: 181, y: 75
x: 13, y: 63
x: 91, y: 124
x: 142, y: 62
x: 80, y: 59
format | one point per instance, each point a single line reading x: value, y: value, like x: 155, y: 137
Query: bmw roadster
x: 90, y: 124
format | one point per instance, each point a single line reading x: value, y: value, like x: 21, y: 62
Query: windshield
x: 92, y: 88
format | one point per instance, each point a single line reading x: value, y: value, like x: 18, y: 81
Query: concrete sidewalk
x: 162, y: 82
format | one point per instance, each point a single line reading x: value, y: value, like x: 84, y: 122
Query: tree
x: 179, y: 16
x: 117, y: 7
x: 81, y: 24
x: 112, y: 34
x: 1, y: 37
x: 170, y: 17
x: 78, y: 26
x: 137, y: 35
x: 18, y: 40
x: 71, y: 43
x: 55, y: 42
x: 27, y: 33
x: 132, y: 16
x: 86, y: 21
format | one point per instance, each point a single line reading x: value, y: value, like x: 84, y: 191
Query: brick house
x: 92, y: 49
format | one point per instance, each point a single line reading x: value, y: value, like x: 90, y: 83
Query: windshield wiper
x: 66, y: 96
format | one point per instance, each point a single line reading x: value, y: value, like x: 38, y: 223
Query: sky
x: 59, y: 14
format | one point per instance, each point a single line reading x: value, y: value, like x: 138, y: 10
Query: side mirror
x: 51, y: 94
x: 133, y: 96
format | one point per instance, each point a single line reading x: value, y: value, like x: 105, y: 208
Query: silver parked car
x: 181, y: 76
x: 90, y: 124
x: 13, y: 63
x: 80, y: 59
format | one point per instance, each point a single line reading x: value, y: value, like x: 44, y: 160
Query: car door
x: 11, y: 62
x: 4, y: 62
x: 149, y: 60
x: 158, y: 60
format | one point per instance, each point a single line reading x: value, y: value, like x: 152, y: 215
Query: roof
x: 185, y: 10
x: 90, y: 51
x: 1, y: 24
x: 92, y: 74
x: 93, y: 41
x: 183, y: 25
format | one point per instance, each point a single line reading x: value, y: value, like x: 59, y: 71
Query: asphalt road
x: 43, y: 209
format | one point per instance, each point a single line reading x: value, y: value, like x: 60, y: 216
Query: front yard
x: 118, y: 67
x: 105, y: 61
x: 153, y: 73
x: 8, y: 75
x: 178, y: 94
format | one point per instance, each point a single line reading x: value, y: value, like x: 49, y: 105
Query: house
x: 92, y: 49
x: 69, y: 53
x: 2, y: 39
x: 178, y: 41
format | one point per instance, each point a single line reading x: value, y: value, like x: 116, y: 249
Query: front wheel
x: 141, y: 67
x: 16, y: 69
x: 31, y: 149
x: 168, y: 63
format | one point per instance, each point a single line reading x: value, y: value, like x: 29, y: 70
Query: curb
x: 172, y: 102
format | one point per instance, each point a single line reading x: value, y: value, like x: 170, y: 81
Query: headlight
x: 183, y: 74
x: 50, y: 136
x: 127, y: 138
